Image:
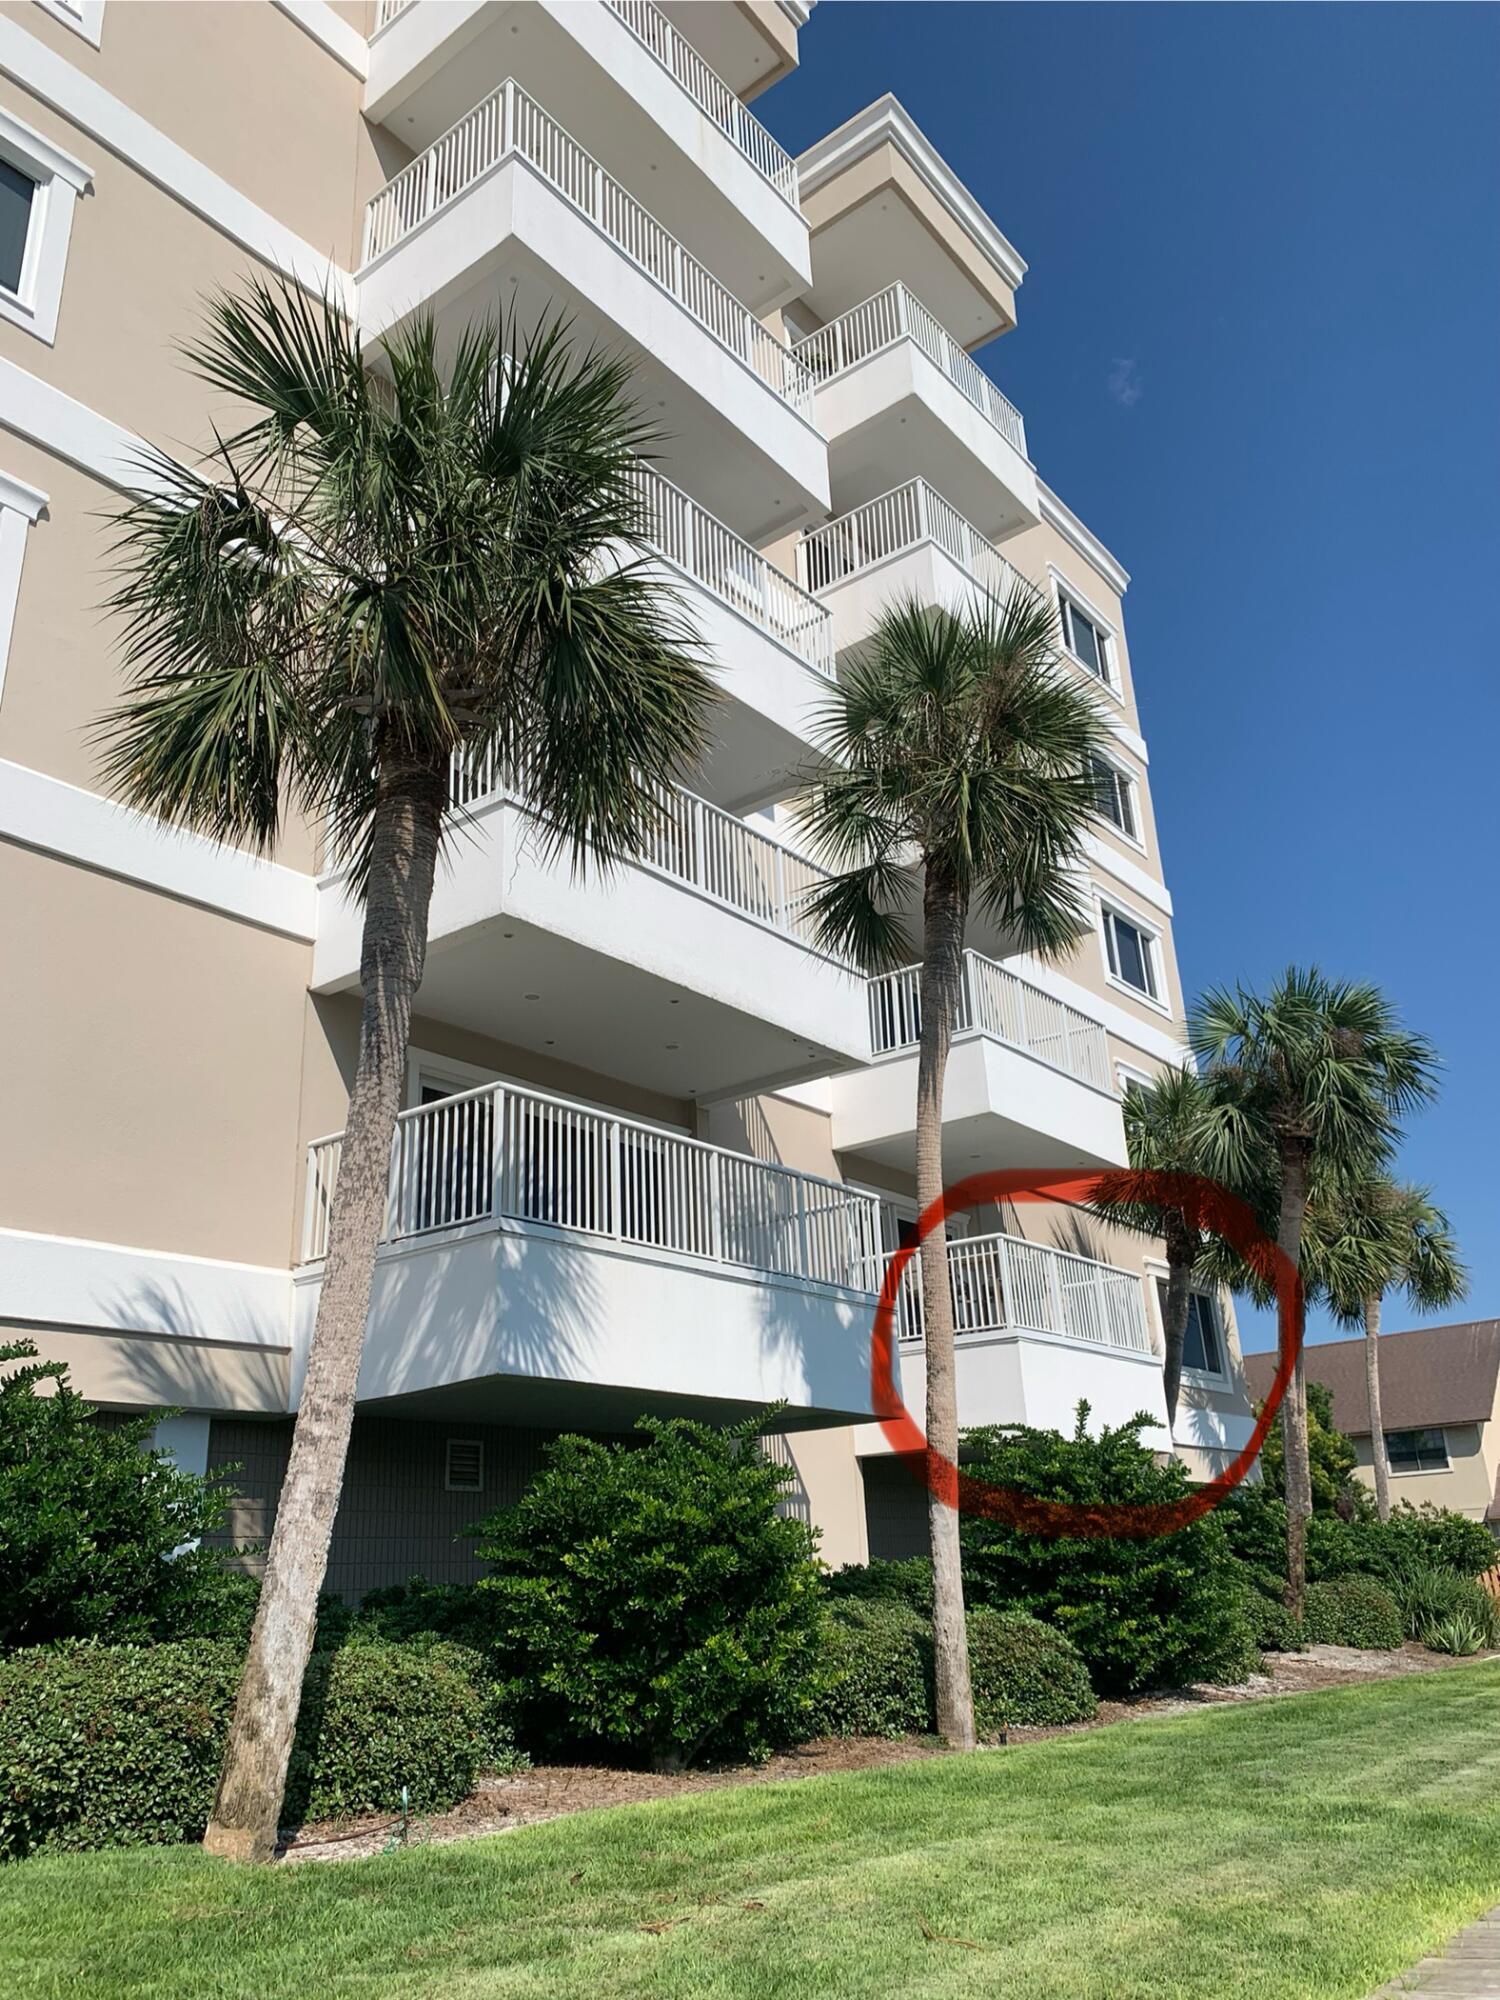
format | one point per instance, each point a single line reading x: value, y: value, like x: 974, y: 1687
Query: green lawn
x: 1308, y: 1847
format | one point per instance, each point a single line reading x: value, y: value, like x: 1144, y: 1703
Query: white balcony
x: 691, y: 970
x: 768, y: 642
x: 909, y: 542
x: 1036, y: 1330
x: 619, y: 73
x: 542, y: 1259
x: 897, y: 394
x: 507, y: 208
x: 1029, y: 1081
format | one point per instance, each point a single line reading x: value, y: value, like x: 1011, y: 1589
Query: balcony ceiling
x: 750, y: 43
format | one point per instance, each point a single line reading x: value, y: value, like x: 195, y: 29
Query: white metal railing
x: 387, y: 10
x: 900, y: 520
x: 689, y: 536
x: 1004, y: 1284
x: 710, y: 93
x: 693, y: 841
x: 997, y: 1002
x: 499, y: 1151
x: 509, y: 122
x: 897, y: 314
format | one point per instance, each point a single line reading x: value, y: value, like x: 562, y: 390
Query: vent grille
x: 464, y: 1472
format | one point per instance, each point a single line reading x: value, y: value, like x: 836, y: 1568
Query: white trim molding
x: 58, y: 181
x: 84, y: 17
x: 48, y: 417
x: 1057, y: 514
x: 57, y: 818
x: 20, y: 505
x: 131, y: 138
x: 328, y: 28
x: 887, y: 119
x: 1137, y: 879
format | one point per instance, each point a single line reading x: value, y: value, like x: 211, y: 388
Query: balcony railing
x: 509, y: 124
x: 502, y: 1152
x: 387, y: 10
x: 994, y: 1001
x: 898, y: 521
x: 1003, y: 1284
x: 717, y: 558
x: 710, y: 93
x: 896, y: 314
x: 693, y: 841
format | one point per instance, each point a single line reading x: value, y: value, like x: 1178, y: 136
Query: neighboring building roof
x: 1431, y: 1375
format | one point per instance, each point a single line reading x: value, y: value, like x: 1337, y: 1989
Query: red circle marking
x: 1208, y: 1207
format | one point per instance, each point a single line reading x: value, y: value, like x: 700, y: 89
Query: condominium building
x: 657, y: 1141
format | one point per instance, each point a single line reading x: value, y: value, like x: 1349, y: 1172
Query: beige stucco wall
x: 153, y: 1055
x: 241, y: 88
x: 132, y: 1372
x: 1468, y: 1486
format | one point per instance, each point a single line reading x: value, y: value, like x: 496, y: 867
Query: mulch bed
x: 500, y: 1805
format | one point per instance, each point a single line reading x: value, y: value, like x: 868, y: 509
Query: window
x: 1086, y: 640
x: 39, y: 185
x: 1115, y: 793
x: 1417, y: 1451
x: 17, y: 194
x: 464, y: 1470
x: 1131, y: 952
x: 1202, y: 1343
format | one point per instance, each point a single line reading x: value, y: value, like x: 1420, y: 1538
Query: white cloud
x: 1125, y: 385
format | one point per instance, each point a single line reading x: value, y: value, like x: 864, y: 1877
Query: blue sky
x: 1258, y: 352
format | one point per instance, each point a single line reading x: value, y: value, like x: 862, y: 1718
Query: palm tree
x: 385, y: 567
x: 960, y: 742
x: 1165, y: 1134
x: 1370, y: 1236
x: 1313, y: 1077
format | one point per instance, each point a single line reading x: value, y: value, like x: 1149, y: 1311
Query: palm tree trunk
x: 1181, y: 1257
x: 941, y: 990
x: 404, y: 844
x: 1298, y: 1468
x: 1378, y: 1459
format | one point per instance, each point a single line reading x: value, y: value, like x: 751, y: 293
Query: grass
x: 1304, y: 1849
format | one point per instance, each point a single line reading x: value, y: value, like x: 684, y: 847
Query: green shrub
x: 906, y: 1582
x: 1336, y: 1491
x: 879, y: 1651
x: 105, y: 1746
x: 649, y: 1597
x: 1414, y: 1538
x: 1429, y: 1599
x: 91, y: 1521
x: 1023, y: 1672
x: 1152, y: 1612
x: 418, y: 1609
x: 1458, y: 1633
x: 1352, y: 1611
x: 1272, y: 1627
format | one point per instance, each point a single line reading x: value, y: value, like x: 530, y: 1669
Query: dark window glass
x: 17, y: 192
x: 1417, y: 1451
x: 1201, y: 1348
x: 1130, y: 954
x: 1082, y: 637
x: 1112, y: 789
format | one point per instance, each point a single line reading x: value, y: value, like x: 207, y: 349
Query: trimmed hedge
x: 105, y: 1746
x: 880, y: 1653
x: 1272, y: 1627
x: 1352, y: 1611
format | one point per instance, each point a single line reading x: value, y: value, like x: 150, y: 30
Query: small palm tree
x: 1165, y: 1133
x: 385, y: 568
x: 1373, y: 1235
x: 962, y: 743
x: 1312, y: 1078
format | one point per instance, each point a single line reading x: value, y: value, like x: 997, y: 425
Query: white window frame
x: 1203, y: 1378
x: 1107, y: 630
x: 60, y: 179
x: 1418, y: 1471
x: 20, y: 505
x: 84, y: 17
x: 1131, y: 784
x: 1128, y: 1073
x: 1151, y: 934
